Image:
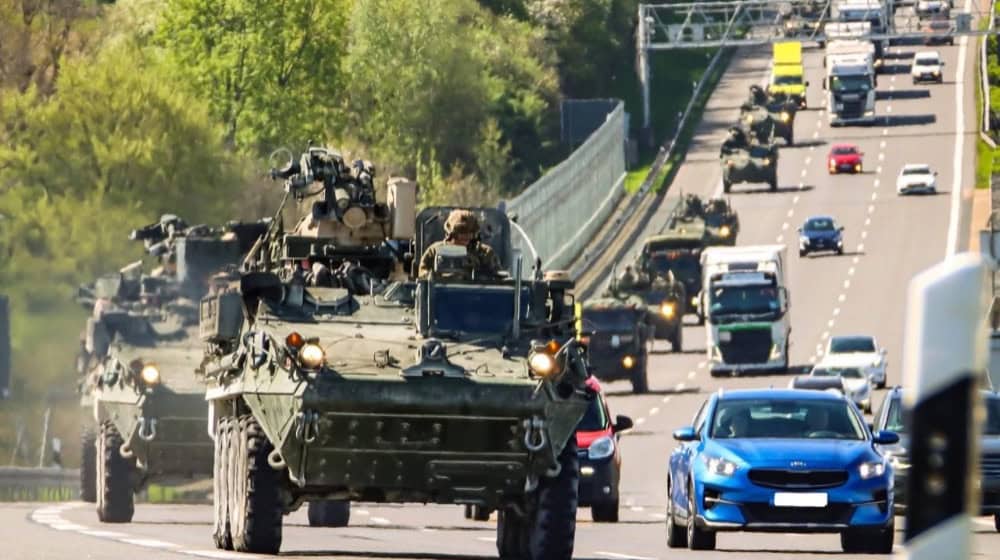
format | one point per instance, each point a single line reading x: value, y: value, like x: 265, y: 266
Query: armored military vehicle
x: 664, y: 298
x: 771, y: 114
x: 676, y: 253
x: 139, y: 351
x: 744, y: 161
x: 717, y: 219
x: 618, y: 331
x: 430, y: 389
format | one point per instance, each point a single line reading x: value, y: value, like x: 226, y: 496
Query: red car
x: 844, y: 157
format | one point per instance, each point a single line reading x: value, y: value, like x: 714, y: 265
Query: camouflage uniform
x: 481, y: 258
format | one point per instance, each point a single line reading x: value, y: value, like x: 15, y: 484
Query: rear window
x: 850, y: 344
x: 845, y: 150
x: 923, y: 170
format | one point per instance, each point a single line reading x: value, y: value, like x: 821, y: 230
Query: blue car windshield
x: 819, y: 224
x: 594, y: 419
x: 786, y: 419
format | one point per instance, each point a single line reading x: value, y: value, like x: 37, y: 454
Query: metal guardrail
x: 558, y: 210
x: 600, y: 246
x: 28, y: 484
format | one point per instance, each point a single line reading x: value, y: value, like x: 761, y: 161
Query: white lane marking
x: 637, y: 508
x: 812, y: 148
x: 826, y: 335
x: 780, y: 238
x: 640, y: 421
x: 868, y: 221
x: 951, y: 246
x: 878, y: 169
x: 871, y: 208
x: 623, y: 556
x: 379, y: 520
x: 666, y: 398
x: 885, y: 132
x: 362, y: 512
x: 702, y: 364
x: 66, y: 526
x: 847, y: 284
x: 220, y: 553
x: 857, y: 260
x: 850, y: 271
x: 148, y: 543
x: 893, y: 78
x: 812, y: 359
x: 784, y: 226
x: 660, y: 516
x: 874, y: 195
x: 829, y: 324
x: 486, y: 539
x: 864, y: 234
x: 836, y: 311
x: 804, y: 172
x: 654, y: 411
x: 795, y: 199
x: 841, y: 298
x: 802, y: 186
x: 876, y: 183
x: 861, y: 247
x: 881, y: 157
x: 888, y: 108
x: 791, y: 212
x: 881, y: 144
x: 691, y: 374
x: 104, y: 534
x: 808, y: 160
x: 816, y: 134
x: 680, y: 386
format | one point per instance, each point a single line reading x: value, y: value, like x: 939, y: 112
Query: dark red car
x: 844, y: 158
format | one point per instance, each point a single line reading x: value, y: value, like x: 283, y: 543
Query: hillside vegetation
x: 112, y: 113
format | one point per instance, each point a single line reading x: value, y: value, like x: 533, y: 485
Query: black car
x: 890, y: 417
x: 617, y: 333
x: 821, y: 233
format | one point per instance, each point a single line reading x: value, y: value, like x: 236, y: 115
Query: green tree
x: 270, y: 71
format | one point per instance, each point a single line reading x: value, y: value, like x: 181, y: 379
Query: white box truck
x: 745, y: 303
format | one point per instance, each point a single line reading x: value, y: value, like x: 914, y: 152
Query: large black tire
x: 605, y: 512
x: 256, y: 511
x: 553, y: 530
x: 676, y: 534
x: 726, y: 185
x: 115, y: 497
x: 697, y: 538
x: 329, y: 513
x: 677, y: 341
x: 221, y: 531
x: 996, y: 522
x: 773, y: 184
x: 88, y: 465
x: 640, y: 377
x: 512, y: 536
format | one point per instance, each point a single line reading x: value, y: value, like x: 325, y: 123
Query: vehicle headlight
x: 832, y: 164
x: 803, y: 240
x: 857, y: 167
x: 601, y: 448
x: 724, y: 231
x: 869, y: 113
x: 871, y: 470
x: 628, y: 362
x: 877, y: 362
x: 720, y: 466
x: 311, y: 356
x: 150, y: 374
x: 694, y: 300
x: 667, y: 309
x: 775, y: 352
x: 729, y: 162
x: 749, y: 119
x: 785, y: 116
x: 767, y: 161
x: 542, y: 364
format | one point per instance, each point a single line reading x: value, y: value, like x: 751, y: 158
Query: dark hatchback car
x: 819, y: 234
x: 890, y: 417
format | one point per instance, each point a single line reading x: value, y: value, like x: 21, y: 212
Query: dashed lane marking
x: 816, y: 134
x: 841, y: 298
x: 836, y: 311
x: 826, y: 335
x: 864, y: 234
x: 876, y: 183
x: 691, y: 374
x: 882, y: 144
x: 795, y: 199
x: 620, y: 556
x: 881, y: 157
x: 217, y: 554
x: 780, y: 238
x: 804, y: 172
x: 861, y: 247
x: 878, y: 169
x: 850, y: 271
x: 654, y: 411
x: 379, y: 520
x: 885, y: 132
x: 680, y: 386
x: 104, y: 534
x: 847, y: 283
x: 666, y: 398
x: 856, y: 260
x: 808, y: 160
x: 874, y: 195
x: 868, y: 221
x: 640, y: 421
x: 829, y: 324
x: 784, y: 226
x: 148, y: 543
x: 702, y: 364
x: 791, y: 212
x: 871, y: 208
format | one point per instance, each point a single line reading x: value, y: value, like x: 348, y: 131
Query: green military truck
x: 744, y: 160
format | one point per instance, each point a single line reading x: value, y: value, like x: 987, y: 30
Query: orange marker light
x: 552, y: 347
x: 294, y: 340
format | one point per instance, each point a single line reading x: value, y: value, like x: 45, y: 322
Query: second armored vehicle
x: 746, y: 162
x: 772, y: 115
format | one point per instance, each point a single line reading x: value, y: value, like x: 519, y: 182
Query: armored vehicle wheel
x: 640, y: 377
x: 553, y: 532
x: 115, y: 499
x: 773, y: 184
x: 329, y: 513
x: 221, y: 530
x: 605, y: 513
x: 255, y: 509
x: 512, y: 537
x: 726, y: 185
x: 790, y: 139
x: 677, y: 340
x: 88, y: 465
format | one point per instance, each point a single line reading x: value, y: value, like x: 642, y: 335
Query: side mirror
x: 883, y: 351
x: 807, y: 83
x: 841, y: 228
x: 935, y: 173
x: 798, y: 230
x: 686, y: 433
x: 622, y: 424
x: 885, y: 437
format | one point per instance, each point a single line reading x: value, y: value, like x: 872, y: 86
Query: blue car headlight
x: 719, y: 466
x: 871, y: 469
x: 601, y: 448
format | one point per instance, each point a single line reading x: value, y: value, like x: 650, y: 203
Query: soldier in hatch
x: 462, y: 229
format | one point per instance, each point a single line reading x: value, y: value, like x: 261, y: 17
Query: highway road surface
x: 888, y: 240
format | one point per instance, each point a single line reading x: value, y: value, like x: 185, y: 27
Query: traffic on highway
x: 731, y: 387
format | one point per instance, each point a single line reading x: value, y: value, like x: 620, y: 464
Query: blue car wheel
x: 697, y: 538
x: 676, y: 535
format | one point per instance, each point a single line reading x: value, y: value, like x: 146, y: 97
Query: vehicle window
x: 922, y: 170
x: 608, y: 320
x: 894, y: 417
x: 849, y: 373
x: 786, y: 419
x: 820, y: 224
x: 759, y: 151
x: 845, y: 150
x: 744, y: 300
x: 681, y: 260
x: 595, y: 418
x: 699, y: 418
x: 992, y: 427
x: 849, y: 344
x: 450, y: 310
x: 860, y: 82
x: 787, y: 80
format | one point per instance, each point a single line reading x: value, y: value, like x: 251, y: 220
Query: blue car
x: 786, y: 461
x: 821, y: 233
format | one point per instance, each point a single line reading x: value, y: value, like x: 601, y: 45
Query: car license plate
x: 800, y: 499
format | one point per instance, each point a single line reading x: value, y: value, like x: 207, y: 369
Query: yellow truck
x: 787, y: 74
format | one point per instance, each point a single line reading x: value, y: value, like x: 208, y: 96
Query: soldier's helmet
x: 461, y: 221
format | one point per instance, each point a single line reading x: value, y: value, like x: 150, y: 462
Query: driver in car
x: 462, y: 228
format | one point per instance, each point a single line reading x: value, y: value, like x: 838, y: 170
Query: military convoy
x: 136, y: 364
x: 746, y: 158
x: 336, y: 374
